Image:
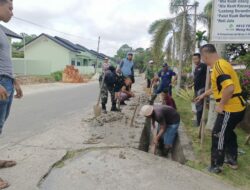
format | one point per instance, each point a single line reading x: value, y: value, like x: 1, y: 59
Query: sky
x: 117, y: 22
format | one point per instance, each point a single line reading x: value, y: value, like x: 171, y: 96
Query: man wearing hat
x: 149, y: 74
x: 109, y: 87
x: 127, y: 67
x: 166, y: 76
x: 165, y: 86
x: 105, y: 65
x: 168, y: 119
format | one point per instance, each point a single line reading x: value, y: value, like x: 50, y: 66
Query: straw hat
x: 147, y: 110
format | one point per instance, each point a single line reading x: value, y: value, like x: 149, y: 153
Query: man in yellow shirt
x: 230, y: 107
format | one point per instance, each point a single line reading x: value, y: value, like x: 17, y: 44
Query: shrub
x: 57, y: 75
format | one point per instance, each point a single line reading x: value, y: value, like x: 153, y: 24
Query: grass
x: 68, y: 156
x: 240, y: 177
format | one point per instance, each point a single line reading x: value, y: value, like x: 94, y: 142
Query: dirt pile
x: 72, y: 75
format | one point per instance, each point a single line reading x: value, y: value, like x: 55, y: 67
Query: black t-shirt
x: 165, y: 115
x: 200, y: 74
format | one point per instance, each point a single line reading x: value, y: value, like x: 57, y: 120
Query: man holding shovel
x: 109, y: 87
x: 7, y: 82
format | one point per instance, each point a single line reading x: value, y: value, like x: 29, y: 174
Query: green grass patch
x: 68, y: 156
x: 240, y: 177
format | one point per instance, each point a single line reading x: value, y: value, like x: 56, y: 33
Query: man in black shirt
x: 168, y: 119
x: 199, y: 84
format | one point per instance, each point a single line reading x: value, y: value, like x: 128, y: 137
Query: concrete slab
x: 32, y: 164
x: 119, y: 169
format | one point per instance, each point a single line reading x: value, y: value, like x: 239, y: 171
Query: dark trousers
x: 148, y: 83
x: 170, y: 90
x: 199, y: 117
x: 224, y: 139
x: 199, y: 106
x: 104, y: 94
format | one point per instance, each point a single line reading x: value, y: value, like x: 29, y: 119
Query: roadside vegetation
x: 240, y: 177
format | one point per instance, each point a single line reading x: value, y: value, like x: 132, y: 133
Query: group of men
x: 165, y: 115
x: 118, y: 82
x: 226, y: 89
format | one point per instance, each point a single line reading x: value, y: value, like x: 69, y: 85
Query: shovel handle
x: 102, y: 83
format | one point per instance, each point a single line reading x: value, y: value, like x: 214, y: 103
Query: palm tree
x: 206, y: 17
x: 200, y: 37
x: 160, y: 29
x: 176, y: 33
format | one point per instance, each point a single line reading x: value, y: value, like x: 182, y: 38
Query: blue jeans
x: 170, y: 134
x: 5, y: 105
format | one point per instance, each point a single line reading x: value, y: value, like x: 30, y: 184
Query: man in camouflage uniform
x: 108, y: 87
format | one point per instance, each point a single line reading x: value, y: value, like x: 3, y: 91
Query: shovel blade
x: 97, y: 110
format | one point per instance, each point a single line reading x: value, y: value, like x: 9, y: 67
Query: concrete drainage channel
x: 105, y: 153
x: 182, y: 150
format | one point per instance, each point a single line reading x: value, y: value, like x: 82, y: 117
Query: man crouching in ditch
x: 168, y: 119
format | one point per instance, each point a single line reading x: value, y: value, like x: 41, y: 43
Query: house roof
x: 59, y: 42
x: 100, y: 55
x: 10, y: 33
x: 70, y: 45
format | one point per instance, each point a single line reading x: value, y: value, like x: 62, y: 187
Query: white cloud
x: 116, y: 21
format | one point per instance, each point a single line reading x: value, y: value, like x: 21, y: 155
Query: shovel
x: 153, y: 146
x: 97, y: 107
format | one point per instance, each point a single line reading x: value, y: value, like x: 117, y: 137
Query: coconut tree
x: 200, y: 37
x: 170, y: 32
x: 206, y: 17
x: 160, y: 29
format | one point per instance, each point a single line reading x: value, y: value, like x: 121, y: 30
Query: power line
x: 48, y: 28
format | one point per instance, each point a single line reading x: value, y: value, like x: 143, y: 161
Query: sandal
x: 3, y: 184
x: 7, y: 164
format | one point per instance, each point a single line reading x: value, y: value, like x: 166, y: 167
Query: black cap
x: 165, y: 65
x: 112, y: 68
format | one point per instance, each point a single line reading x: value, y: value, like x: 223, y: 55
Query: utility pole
x: 98, y: 49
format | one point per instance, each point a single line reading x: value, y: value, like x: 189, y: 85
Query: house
x: 10, y: 34
x: 47, y: 54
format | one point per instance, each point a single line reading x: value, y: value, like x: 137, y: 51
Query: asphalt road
x: 36, y: 113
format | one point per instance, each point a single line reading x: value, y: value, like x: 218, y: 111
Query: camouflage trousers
x: 104, y: 94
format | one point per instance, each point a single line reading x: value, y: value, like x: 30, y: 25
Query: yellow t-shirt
x: 223, y: 75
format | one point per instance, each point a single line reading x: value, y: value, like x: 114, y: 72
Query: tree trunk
x: 181, y: 50
x: 174, y: 46
x: 194, y: 35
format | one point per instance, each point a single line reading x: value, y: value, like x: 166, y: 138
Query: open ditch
x: 116, y: 128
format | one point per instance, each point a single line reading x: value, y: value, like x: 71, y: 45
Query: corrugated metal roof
x: 10, y: 33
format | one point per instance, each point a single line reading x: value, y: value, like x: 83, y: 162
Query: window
x: 85, y: 62
x: 73, y: 62
x: 78, y: 63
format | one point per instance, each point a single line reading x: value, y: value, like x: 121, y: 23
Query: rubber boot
x: 114, y: 108
x: 104, y: 110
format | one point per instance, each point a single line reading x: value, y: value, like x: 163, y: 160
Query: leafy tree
x: 176, y: 33
x: 18, y: 45
x: 122, y: 52
x: 26, y: 38
x: 200, y: 37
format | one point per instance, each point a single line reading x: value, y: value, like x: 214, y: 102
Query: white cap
x: 147, y: 110
x: 151, y: 61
